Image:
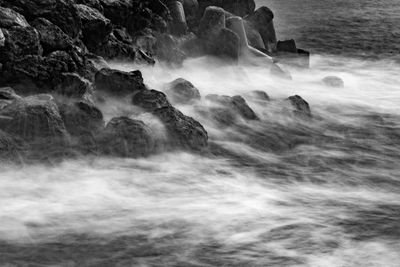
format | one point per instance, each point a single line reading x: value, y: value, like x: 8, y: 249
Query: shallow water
x: 281, y: 191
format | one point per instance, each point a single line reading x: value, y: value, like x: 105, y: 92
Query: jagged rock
x: 119, y: 82
x: 85, y: 67
x: 127, y: 138
x: 181, y: 91
x: 262, y: 20
x: 236, y: 103
x: 150, y: 100
x: 95, y: 27
x: 62, y: 13
x: 222, y: 115
x: 52, y: 38
x: 112, y: 48
x: 237, y: 7
x: 118, y: 11
x: 10, y: 18
x: 98, y: 62
x: 277, y: 71
x: 73, y: 86
x: 34, y: 118
x: 18, y: 42
x: 183, y: 131
x: 226, y: 45
x: 179, y: 25
x: 258, y: 95
x: 91, y: 3
x: 333, y: 81
x: 301, y: 107
x: 122, y: 35
x: 81, y: 118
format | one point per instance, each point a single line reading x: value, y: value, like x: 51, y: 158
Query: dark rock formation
x: 178, y: 24
x: 150, y: 100
x: 235, y: 103
x: 73, y: 86
x: 183, y: 131
x: 258, y: 95
x: 333, y: 81
x: 237, y: 7
x: 10, y: 147
x: 52, y: 38
x: 10, y: 18
x: 91, y: 3
x: 118, y: 11
x: 301, y: 107
x: 119, y: 82
x: 127, y: 138
x: 181, y: 91
x: 262, y: 20
x: 288, y: 53
x: 7, y: 93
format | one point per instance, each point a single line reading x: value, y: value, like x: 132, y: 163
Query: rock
x: 82, y: 118
x: 287, y: 46
x: 91, y: 3
x: 222, y: 115
x: 301, y: 107
x: 7, y: 93
x: 333, y: 81
x: 258, y: 95
x: 62, y: 13
x: 179, y: 25
x: 127, y: 138
x: 118, y: 11
x: 226, y: 45
x: 181, y: 91
x: 10, y: 147
x: 10, y: 18
x: 262, y: 20
x: 277, y: 71
x: 183, y: 131
x: 212, y: 22
x: 97, y: 61
x: 191, y: 8
x: 167, y: 49
x: 73, y: 86
x: 95, y: 27
x: 236, y: 103
x: 112, y: 48
x: 253, y: 36
x: 150, y: 100
x: 2, y: 40
x: 237, y: 7
x: 34, y: 118
x: 52, y: 38
x: 119, y: 82
x: 19, y: 42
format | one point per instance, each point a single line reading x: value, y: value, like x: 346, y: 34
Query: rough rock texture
x: 181, y: 91
x: 91, y: 3
x: 258, y: 95
x: 7, y: 93
x: 73, y: 86
x: 333, y: 81
x: 2, y: 39
x: 262, y: 20
x: 119, y: 82
x: 301, y: 107
x: 62, y: 13
x: 237, y: 7
x: 95, y: 27
x: 183, y: 131
x: 10, y: 18
x: 52, y: 38
x: 9, y: 147
x: 236, y: 103
x: 150, y: 100
x: 34, y: 118
x: 127, y: 138
x: 113, y: 48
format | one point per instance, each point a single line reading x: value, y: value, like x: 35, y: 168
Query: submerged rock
x: 258, y: 95
x: 183, y: 131
x: 277, y: 71
x: 127, y: 138
x: 181, y: 91
x: 119, y: 82
x: 301, y: 107
x: 333, y: 81
x: 236, y: 103
x: 150, y: 100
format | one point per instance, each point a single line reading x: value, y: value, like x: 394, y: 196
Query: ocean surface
x: 282, y: 191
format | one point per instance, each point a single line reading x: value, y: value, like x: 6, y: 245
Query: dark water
x: 282, y: 191
x: 362, y: 28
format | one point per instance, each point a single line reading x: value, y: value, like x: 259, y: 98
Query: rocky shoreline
x: 54, y: 72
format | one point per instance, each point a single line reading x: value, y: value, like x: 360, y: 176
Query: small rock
x: 333, y: 81
x: 181, y: 91
x: 301, y: 107
x: 262, y: 20
x: 7, y: 93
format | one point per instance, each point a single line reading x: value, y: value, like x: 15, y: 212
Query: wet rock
x: 150, y: 100
x: 112, y: 48
x: 7, y: 93
x: 288, y: 53
x: 10, y: 147
x: 125, y: 137
x: 18, y: 42
x: 81, y: 118
x: 301, y: 107
x: 223, y: 116
x: 236, y: 103
x: 258, y: 95
x: 253, y: 36
x: 279, y: 72
x: 73, y: 86
x: 95, y: 27
x: 262, y: 20
x: 62, y: 13
x: 167, y: 49
x: 237, y: 7
x: 98, y: 62
x: 183, y: 131
x: 333, y: 81
x: 10, y: 18
x: 34, y: 118
x: 181, y: 91
x: 118, y: 11
x: 191, y: 8
x: 287, y: 46
x: 226, y: 45
x: 52, y: 38
x: 119, y: 82
x: 91, y: 3
x: 178, y: 24
x: 212, y: 22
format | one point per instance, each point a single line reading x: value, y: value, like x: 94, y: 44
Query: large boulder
x: 95, y: 27
x: 62, y: 13
x: 183, y: 131
x: 127, y: 138
x: 18, y: 42
x: 10, y: 18
x: 235, y: 103
x: 181, y: 91
x: 150, y: 100
x: 34, y: 119
x: 178, y: 24
x: 262, y: 20
x: 52, y: 38
x: 237, y: 7
x: 119, y: 82
x: 300, y: 107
